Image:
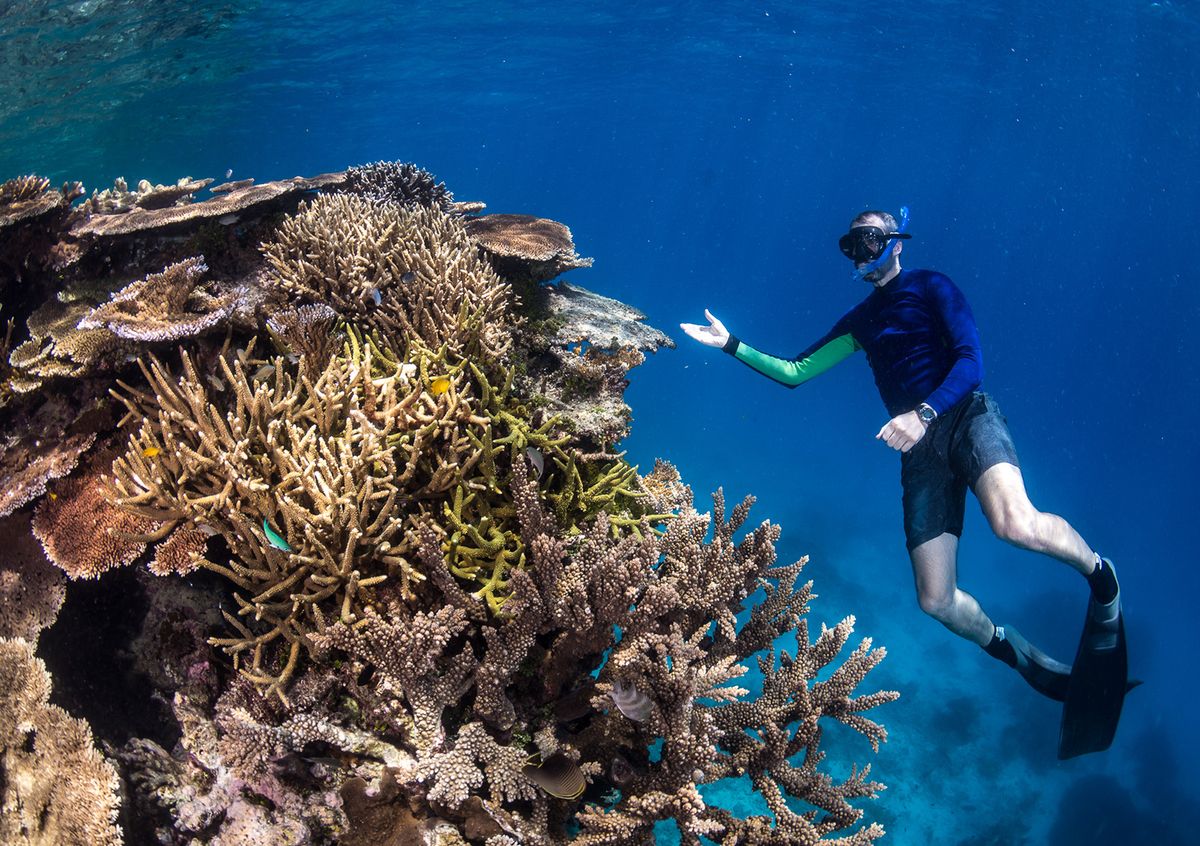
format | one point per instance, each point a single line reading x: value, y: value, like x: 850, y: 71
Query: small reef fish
x: 228, y: 172
x: 150, y: 452
x: 376, y: 297
x: 228, y: 219
x: 408, y: 277
x: 274, y: 539
x: 439, y: 386
x: 558, y: 775
x: 536, y: 460
x: 630, y: 701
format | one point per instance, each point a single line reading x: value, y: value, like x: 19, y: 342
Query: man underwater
x: 923, y: 348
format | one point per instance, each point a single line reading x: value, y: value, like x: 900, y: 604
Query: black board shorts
x: 959, y: 445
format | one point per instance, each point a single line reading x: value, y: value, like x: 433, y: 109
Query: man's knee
x: 1016, y: 525
x: 936, y: 603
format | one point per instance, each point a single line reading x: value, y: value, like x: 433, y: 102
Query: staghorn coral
x: 308, y: 333
x: 57, y: 789
x: 408, y: 272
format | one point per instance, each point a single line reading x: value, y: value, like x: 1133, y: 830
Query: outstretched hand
x: 903, y: 431
x: 713, y: 335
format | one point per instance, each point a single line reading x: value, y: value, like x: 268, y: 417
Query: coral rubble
x: 406, y: 590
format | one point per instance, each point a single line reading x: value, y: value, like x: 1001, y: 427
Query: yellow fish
x: 440, y: 386
x: 150, y: 452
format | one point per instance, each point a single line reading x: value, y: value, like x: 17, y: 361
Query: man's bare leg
x: 1001, y: 492
x: 935, y: 570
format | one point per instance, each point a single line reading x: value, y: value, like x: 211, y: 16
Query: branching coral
x: 402, y: 183
x: 410, y: 272
x: 31, y: 588
x: 57, y: 789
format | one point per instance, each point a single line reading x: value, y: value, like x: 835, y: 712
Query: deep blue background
x: 709, y: 155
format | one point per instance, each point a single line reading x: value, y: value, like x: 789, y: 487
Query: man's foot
x: 1104, y: 608
x: 1045, y: 675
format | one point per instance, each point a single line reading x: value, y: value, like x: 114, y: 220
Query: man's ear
x: 896, y: 250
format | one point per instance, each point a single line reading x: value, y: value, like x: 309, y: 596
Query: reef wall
x: 399, y: 585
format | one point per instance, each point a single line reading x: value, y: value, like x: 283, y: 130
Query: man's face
x: 885, y: 268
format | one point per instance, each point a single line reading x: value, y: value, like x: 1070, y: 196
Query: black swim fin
x: 1099, y: 682
x: 1045, y: 675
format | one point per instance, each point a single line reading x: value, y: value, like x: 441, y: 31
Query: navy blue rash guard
x: 919, y: 336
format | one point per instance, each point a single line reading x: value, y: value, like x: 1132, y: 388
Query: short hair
x: 889, y: 222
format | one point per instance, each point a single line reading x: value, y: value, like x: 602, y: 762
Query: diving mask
x: 867, y: 243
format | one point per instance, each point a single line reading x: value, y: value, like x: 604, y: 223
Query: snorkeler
x: 923, y: 348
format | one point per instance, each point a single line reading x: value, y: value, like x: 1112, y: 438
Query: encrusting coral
x: 454, y: 612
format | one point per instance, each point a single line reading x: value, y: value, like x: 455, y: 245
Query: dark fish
x: 536, y: 460
x: 558, y: 775
x: 621, y: 771
x: 575, y: 704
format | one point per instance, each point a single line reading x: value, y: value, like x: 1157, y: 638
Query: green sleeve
x: 796, y: 371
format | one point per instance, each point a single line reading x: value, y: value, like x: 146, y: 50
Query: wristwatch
x: 926, y: 413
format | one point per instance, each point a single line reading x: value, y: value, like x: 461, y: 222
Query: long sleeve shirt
x: 919, y: 336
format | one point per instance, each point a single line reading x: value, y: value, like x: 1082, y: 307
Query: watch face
x: 926, y: 414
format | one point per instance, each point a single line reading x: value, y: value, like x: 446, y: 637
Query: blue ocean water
x: 709, y: 155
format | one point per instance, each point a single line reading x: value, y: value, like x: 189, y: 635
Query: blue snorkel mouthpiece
x: 861, y: 273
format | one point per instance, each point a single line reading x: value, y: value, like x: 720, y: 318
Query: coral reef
x: 57, y: 789
x: 163, y: 306
x: 404, y: 587
x: 31, y: 588
x: 524, y: 247
x: 30, y: 212
x: 411, y: 271
x: 577, y: 352
x: 125, y: 217
x: 403, y: 183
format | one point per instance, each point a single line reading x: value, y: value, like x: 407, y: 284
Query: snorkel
x: 860, y: 274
